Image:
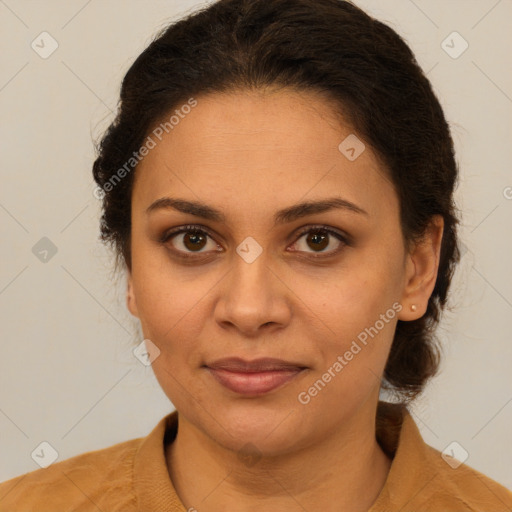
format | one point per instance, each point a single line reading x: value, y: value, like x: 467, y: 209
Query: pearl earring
x: 414, y: 307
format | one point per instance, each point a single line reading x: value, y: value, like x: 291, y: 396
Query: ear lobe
x: 131, y: 302
x: 422, y: 264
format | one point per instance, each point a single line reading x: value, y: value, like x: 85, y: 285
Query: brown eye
x: 319, y: 239
x: 194, y: 240
x: 188, y: 240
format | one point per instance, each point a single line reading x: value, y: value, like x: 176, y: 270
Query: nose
x: 253, y: 297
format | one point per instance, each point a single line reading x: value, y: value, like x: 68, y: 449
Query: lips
x: 265, y: 364
x: 255, y: 377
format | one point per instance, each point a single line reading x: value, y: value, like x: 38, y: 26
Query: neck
x: 345, y: 471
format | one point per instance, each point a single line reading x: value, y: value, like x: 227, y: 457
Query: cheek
x: 357, y: 308
x: 170, y: 313
x: 167, y: 306
x: 166, y: 294
x: 359, y: 324
x: 354, y: 296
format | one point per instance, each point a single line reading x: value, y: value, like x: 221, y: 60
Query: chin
x: 267, y: 430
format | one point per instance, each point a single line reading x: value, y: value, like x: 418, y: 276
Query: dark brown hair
x: 327, y: 46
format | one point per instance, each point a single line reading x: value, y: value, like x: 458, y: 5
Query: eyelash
x: 168, y: 235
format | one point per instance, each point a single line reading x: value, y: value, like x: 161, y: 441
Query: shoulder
x: 92, y: 479
x: 463, y: 487
x: 422, y: 479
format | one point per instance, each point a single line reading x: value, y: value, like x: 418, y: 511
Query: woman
x: 278, y: 184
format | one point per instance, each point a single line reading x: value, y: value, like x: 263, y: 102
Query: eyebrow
x: 289, y: 214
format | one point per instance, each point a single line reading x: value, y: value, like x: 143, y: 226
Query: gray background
x: 67, y: 373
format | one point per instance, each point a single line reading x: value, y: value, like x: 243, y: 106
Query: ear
x: 131, y: 303
x: 421, y: 266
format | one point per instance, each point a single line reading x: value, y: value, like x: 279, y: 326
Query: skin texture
x: 249, y: 154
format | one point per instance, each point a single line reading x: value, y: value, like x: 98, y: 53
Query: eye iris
x: 320, y: 241
x: 195, y: 239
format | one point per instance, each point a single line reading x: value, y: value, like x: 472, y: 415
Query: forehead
x: 251, y: 148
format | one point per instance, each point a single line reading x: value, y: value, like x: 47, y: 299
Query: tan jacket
x: 133, y: 476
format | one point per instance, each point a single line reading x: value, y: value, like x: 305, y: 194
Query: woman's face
x: 258, y: 284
